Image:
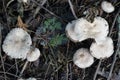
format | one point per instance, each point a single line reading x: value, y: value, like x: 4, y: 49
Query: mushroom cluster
x: 82, y: 29
x: 17, y: 44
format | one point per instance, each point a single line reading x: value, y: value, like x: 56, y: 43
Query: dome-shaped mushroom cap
x: 82, y: 58
x: 103, y: 50
x: 31, y: 78
x: 33, y: 55
x: 81, y: 29
x: 76, y: 32
x: 100, y: 28
x: 107, y: 7
x: 17, y: 43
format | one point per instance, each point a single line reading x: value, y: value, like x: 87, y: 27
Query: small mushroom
x: 102, y: 50
x: 82, y: 58
x: 17, y: 43
x: 107, y: 7
x: 81, y: 29
x: 33, y: 55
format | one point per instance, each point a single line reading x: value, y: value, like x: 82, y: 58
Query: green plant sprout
x: 57, y: 40
x: 52, y: 25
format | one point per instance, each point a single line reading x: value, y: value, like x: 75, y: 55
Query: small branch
x: 114, y: 23
x: 2, y: 61
x: 24, y: 67
x: 45, y: 9
x: 71, y: 7
x: 38, y: 8
x: 97, y: 70
x: 118, y: 48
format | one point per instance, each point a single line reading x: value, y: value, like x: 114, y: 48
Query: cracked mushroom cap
x: 100, y: 29
x: 103, y: 50
x: 17, y: 43
x: 75, y: 32
x: 81, y: 29
x: 33, y: 55
x: 31, y: 78
x: 107, y: 7
x: 82, y: 58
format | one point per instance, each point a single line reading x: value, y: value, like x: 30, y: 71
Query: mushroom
x: 25, y: 1
x: 72, y: 35
x: 31, y: 78
x: 102, y: 50
x: 100, y: 29
x: 33, y: 55
x: 81, y: 29
x: 107, y: 7
x: 82, y: 58
x: 17, y: 43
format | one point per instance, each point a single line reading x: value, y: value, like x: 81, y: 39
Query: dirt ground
x: 45, y: 21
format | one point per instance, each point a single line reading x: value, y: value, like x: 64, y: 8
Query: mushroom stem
x: 25, y: 65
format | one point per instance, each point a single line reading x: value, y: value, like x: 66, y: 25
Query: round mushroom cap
x: 100, y: 29
x: 103, y: 50
x: 31, y: 78
x: 33, y: 55
x: 17, y: 43
x: 75, y: 31
x: 107, y: 7
x: 82, y: 58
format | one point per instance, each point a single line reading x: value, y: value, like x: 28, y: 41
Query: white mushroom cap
x: 25, y: 1
x: 75, y: 31
x: 82, y: 58
x: 33, y: 55
x: 97, y: 29
x: 31, y: 78
x: 71, y: 33
x: 103, y: 50
x: 81, y: 29
x: 17, y: 43
x: 100, y: 29
x: 107, y: 7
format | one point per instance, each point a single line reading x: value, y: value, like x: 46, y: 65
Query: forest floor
x: 45, y: 21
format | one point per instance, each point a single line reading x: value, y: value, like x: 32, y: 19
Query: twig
x: 9, y: 74
x: 114, y: 22
x: 115, y: 54
x: 2, y: 61
x: 6, y: 15
x: 67, y: 71
x: 38, y: 8
x: 25, y: 65
x: 118, y: 49
x: 70, y: 71
x: 16, y: 66
x: 98, y: 67
x: 115, y: 58
x: 45, y: 9
x: 47, y: 71
x: 71, y: 7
